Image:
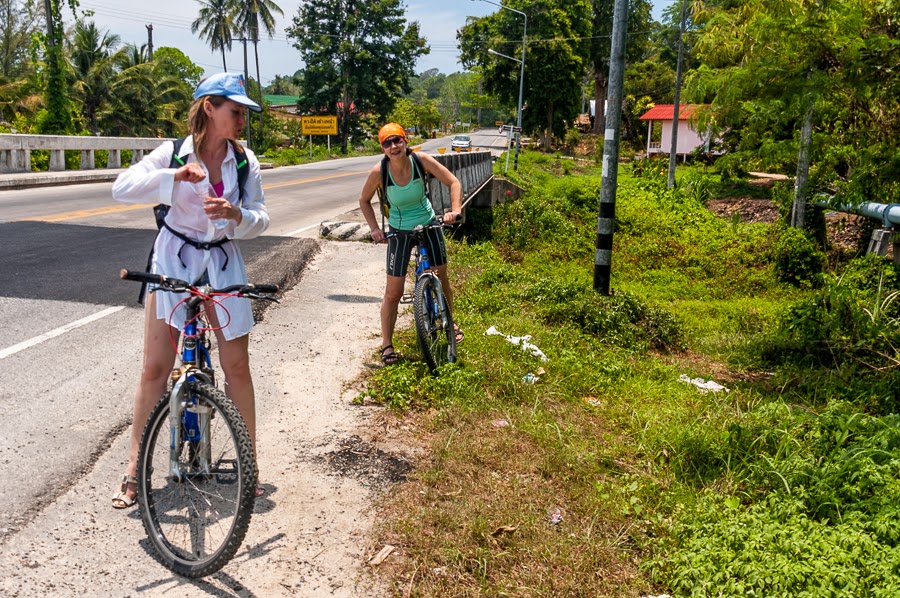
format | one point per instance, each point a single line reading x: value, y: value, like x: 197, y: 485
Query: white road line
x: 4, y: 353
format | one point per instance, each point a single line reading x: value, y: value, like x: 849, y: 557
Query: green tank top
x: 409, y: 206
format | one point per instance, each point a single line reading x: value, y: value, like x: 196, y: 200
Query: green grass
x: 654, y: 482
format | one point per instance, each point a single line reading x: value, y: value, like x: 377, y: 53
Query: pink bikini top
x: 219, y: 188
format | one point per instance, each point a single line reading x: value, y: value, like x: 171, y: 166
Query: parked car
x: 461, y: 142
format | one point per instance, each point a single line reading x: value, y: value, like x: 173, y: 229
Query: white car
x: 461, y: 142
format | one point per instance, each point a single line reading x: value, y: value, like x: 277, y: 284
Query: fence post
x: 115, y: 159
x: 87, y: 159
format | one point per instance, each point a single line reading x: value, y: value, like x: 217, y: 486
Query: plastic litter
x: 555, y: 516
x: 522, y: 341
x: 530, y: 378
x: 500, y: 423
x: 704, y: 386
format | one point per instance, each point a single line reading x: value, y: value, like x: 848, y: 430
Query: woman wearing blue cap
x: 206, y: 211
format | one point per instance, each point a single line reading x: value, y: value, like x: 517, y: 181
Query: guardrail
x: 15, y: 150
x: 473, y: 169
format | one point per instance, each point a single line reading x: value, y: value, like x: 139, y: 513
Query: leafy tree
x: 92, y: 62
x: 636, y: 48
x: 359, y: 54
x: 215, y: 22
x: 18, y: 22
x: 807, y: 78
x: 147, y: 102
x: 175, y: 63
x: 57, y: 119
x: 283, y: 86
x: 555, y: 59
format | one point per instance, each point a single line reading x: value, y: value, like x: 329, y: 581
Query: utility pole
x: 149, y: 41
x: 607, y: 211
x: 673, y: 157
x: 244, y: 40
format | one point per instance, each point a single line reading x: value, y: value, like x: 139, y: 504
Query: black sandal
x: 458, y: 333
x: 389, y: 358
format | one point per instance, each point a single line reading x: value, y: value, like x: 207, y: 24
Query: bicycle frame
x: 185, y: 415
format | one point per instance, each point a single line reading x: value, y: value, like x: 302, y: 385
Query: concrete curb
x: 344, y: 231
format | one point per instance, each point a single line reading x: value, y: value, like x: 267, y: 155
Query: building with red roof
x: 659, y: 138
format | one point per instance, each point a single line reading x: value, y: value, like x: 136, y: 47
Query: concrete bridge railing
x: 15, y: 150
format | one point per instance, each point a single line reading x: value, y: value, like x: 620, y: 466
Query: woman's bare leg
x: 159, y: 358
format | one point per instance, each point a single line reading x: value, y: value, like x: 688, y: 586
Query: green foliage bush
x: 797, y: 259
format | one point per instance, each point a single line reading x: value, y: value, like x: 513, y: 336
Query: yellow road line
x: 91, y: 212
x: 115, y: 209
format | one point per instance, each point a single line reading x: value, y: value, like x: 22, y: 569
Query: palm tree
x: 215, y: 23
x: 250, y: 16
x: 92, y: 51
x: 146, y: 101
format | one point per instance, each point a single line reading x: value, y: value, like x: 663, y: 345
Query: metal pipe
x: 889, y: 214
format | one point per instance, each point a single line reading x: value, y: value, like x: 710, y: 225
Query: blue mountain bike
x: 196, y: 477
x: 431, y: 312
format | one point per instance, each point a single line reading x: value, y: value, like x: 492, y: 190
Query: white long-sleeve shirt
x: 151, y: 180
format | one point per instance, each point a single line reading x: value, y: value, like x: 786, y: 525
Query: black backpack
x: 160, y: 211
x: 382, y: 190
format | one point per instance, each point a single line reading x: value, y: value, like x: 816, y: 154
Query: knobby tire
x: 437, y: 339
x: 179, y: 516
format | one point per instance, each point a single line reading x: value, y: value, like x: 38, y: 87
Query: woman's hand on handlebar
x: 377, y: 235
x: 451, y: 217
x: 190, y: 172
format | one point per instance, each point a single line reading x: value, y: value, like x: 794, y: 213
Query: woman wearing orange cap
x: 409, y: 207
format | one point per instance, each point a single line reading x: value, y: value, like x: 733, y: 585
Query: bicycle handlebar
x: 417, y: 231
x: 176, y: 285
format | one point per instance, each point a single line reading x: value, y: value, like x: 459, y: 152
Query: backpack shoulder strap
x: 243, y: 170
x: 420, y: 168
x: 176, y: 160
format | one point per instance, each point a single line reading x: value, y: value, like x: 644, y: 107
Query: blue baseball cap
x: 229, y: 85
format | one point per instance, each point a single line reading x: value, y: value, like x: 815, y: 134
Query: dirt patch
x: 362, y: 461
x: 748, y: 209
x: 845, y: 231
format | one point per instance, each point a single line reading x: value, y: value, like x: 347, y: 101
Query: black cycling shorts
x: 400, y: 246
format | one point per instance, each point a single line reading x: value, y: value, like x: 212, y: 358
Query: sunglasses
x: 392, y: 141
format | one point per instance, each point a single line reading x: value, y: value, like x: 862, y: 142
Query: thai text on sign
x: 318, y: 125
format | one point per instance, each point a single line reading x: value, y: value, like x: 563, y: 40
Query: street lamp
x: 509, y: 135
x: 521, y: 76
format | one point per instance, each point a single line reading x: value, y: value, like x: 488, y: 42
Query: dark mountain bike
x: 196, y: 477
x: 434, y: 322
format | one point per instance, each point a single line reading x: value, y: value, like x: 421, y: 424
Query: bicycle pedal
x: 406, y: 299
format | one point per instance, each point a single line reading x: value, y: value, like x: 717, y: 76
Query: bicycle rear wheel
x: 434, y: 324
x: 197, y: 523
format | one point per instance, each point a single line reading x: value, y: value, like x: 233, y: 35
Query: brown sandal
x: 389, y: 358
x: 121, y: 499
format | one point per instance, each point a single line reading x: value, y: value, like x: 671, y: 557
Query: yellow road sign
x: 318, y: 125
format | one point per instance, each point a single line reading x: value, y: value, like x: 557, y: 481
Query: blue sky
x: 171, y: 20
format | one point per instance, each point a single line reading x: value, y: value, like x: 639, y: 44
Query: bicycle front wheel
x: 434, y: 324
x: 196, y: 500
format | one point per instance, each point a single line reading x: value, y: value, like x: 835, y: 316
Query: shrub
x: 797, y: 259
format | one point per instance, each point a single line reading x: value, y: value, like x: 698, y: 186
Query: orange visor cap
x: 389, y: 130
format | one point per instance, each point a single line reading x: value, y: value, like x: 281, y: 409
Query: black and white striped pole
x: 607, y: 212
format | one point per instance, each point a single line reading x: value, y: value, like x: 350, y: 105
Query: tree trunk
x: 258, y: 83
x: 798, y: 214
x: 601, y: 85
x: 224, y: 66
x: 548, y: 135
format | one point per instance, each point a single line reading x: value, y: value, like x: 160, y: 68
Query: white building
x: 659, y: 141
